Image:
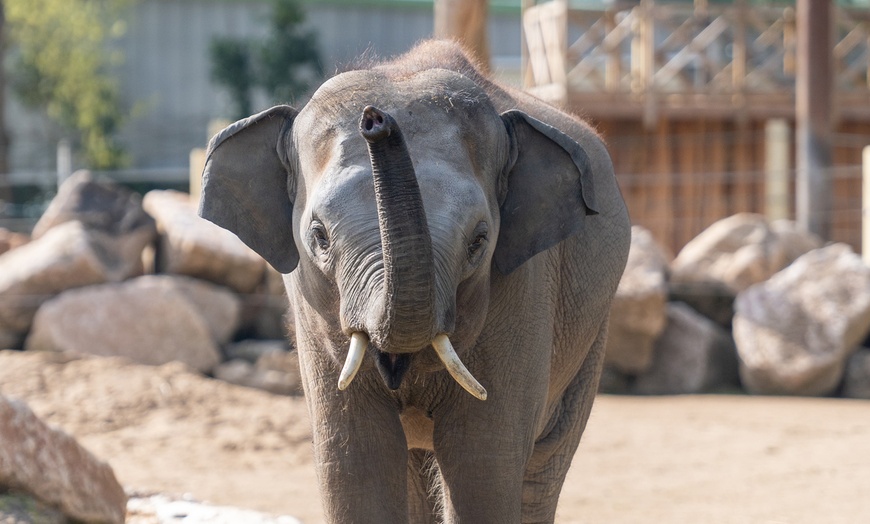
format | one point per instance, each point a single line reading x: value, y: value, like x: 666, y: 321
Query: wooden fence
x: 682, y: 92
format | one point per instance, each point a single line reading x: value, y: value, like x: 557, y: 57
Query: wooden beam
x: 814, y: 104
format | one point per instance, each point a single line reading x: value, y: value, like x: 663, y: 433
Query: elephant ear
x: 245, y: 185
x: 549, y: 191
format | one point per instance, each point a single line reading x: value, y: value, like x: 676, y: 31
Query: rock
x: 637, y: 315
x: 148, y: 509
x: 795, y: 331
x: 265, y: 311
x: 220, y: 308
x: 693, y: 355
x: 276, y: 371
x: 740, y: 251
x: 10, y: 240
x: 857, y: 381
x: 150, y: 320
x: 612, y: 382
x: 100, y: 205
x: 63, y: 258
x: 712, y: 299
x: 251, y: 350
x: 52, y: 466
x: 190, y: 245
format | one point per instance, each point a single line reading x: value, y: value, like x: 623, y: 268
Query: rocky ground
x: 682, y: 459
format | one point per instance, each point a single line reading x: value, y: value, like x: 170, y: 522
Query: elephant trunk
x: 407, y: 321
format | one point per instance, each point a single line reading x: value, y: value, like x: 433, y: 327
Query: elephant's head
x: 394, y: 197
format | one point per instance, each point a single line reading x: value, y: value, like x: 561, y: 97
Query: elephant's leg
x: 359, y: 447
x: 424, y: 487
x: 555, y: 449
x: 482, y: 450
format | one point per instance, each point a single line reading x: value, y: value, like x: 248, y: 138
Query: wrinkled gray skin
x: 515, y: 255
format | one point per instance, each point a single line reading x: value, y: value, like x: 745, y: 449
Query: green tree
x: 284, y: 64
x: 61, y: 64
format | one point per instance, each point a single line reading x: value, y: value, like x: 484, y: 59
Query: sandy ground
x: 710, y: 459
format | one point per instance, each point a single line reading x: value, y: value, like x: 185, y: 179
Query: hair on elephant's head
x: 395, y: 197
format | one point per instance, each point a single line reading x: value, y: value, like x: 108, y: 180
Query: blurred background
x: 698, y: 100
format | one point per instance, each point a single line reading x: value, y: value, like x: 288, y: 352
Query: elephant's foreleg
x: 424, y: 487
x: 359, y: 449
x: 555, y: 449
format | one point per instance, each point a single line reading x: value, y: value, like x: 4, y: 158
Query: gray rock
x: 740, y: 251
x: 250, y: 350
x: 52, y: 466
x: 795, y: 331
x: 712, y: 299
x: 856, y: 384
x: 693, y: 355
x: 265, y: 311
x: 150, y: 320
x: 276, y: 371
x: 190, y: 245
x: 63, y: 258
x: 637, y: 315
x: 100, y: 205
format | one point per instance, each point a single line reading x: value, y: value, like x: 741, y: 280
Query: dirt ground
x: 710, y: 459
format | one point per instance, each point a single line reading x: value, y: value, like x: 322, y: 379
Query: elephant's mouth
x: 392, y: 367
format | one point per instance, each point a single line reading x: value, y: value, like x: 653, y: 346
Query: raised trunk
x: 407, y: 321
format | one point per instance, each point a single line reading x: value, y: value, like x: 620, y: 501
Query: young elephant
x: 451, y: 249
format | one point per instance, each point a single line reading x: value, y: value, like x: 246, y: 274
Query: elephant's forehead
x: 415, y: 99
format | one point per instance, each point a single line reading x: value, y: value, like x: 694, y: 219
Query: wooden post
x: 813, y: 110
x: 776, y: 165
x: 865, y: 206
x: 465, y: 21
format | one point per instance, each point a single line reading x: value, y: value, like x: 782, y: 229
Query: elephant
x: 450, y: 248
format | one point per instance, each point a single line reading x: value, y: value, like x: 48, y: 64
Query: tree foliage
x: 284, y: 64
x: 61, y: 64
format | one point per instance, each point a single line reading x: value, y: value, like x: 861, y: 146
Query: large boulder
x: 190, y: 245
x: 101, y: 205
x: 795, y: 331
x: 63, y: 258
x: 150, y: 320
x: 53, y: 467
x: 731, y: 255
x: 693, y: 355
x: 637, y: 315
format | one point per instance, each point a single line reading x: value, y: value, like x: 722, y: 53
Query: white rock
x: 740, y: 251
x: 163, y: 509
x: 795, y: 331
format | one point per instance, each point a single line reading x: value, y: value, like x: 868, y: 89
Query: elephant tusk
x: 359, y: 342
x: 456, y: 368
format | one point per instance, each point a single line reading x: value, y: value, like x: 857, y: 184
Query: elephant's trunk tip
x: 375, y: 125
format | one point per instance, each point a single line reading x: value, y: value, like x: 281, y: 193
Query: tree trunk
x: 464, y: 21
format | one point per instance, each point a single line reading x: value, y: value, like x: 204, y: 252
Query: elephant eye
x: 318, y: 232
x: 480, y: 238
